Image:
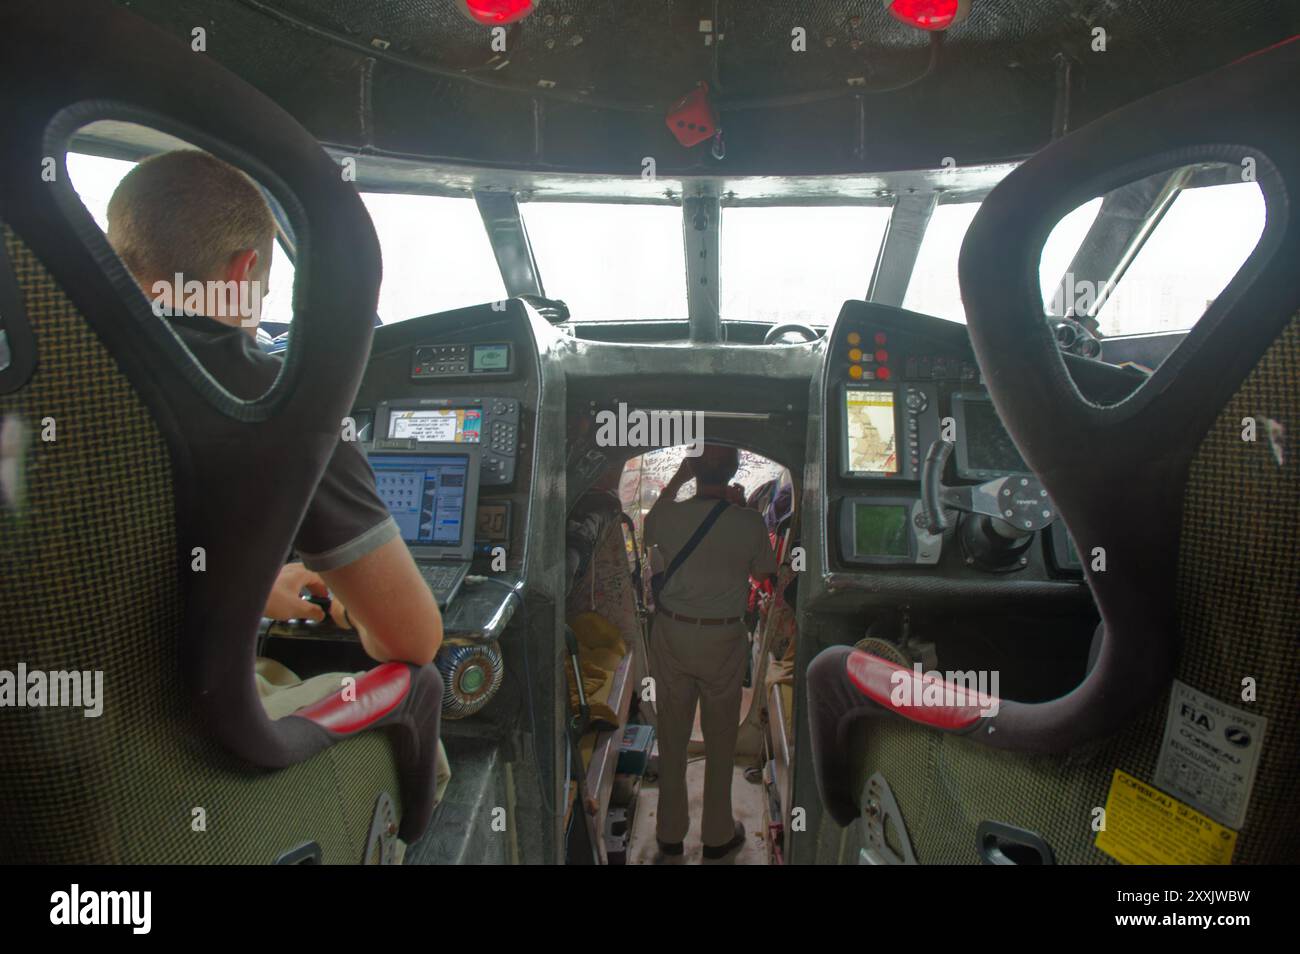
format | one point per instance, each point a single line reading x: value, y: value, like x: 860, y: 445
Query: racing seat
x: 139, y: 532
x: 1200, y: 595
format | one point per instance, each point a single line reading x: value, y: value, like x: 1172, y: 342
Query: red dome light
x: 496, y: 12
x: 929, y: 14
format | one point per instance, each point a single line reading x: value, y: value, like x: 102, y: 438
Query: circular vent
x: 471, y: 676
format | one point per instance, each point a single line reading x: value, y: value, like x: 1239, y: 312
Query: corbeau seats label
x: 1145, y: 826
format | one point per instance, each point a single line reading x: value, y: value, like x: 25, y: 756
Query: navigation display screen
x: 425, y: 493
x: 880, y: 530
x: 495, y: 357
x: 443, y: 425
x: 989, y: 448
x: 869, y: 431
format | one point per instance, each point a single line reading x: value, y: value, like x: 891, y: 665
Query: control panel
x: 492, y: 422
x: 868, y: 355
x: 922, y: 479
x: 448, y: 362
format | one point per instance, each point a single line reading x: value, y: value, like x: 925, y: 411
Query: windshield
x: 437, y: 256
x: 797, y: 263
x: 1061, y: 247
x: 933, y: 288
x: 790, y: 263
x: 609, y: 261
x: 1194, y: 251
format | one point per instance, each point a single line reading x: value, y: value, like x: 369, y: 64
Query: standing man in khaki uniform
x: 698, y: 642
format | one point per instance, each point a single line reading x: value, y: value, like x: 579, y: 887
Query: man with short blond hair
x: 186, y: 216
x: 191, y: 215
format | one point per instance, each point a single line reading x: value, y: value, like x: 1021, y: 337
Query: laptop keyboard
x: 442, y: 578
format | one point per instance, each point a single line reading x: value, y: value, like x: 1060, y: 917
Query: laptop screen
x: 431, y: 496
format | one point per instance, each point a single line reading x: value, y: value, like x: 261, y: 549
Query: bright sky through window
x: 797, y: 263
x: 609, y: 261
x: 436, y: 255
x: 933, y: 288
x: 1195, y: 250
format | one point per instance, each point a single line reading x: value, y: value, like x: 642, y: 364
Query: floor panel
x: 747, y: 803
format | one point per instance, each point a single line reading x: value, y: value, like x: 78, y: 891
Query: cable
x: 410, y: 62
x: 582, y: 99
x: 513, y: 588
x: 801, y: 99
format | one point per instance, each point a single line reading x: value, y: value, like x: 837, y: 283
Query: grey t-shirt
x: 345, y: 518
x: 713, y: 583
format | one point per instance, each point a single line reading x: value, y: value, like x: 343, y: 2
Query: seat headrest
x: 64, y: 63
x: 1117, y: 473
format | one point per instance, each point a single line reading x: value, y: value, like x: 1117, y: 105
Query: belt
x: 715, y: 621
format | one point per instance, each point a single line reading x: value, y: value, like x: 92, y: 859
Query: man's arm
x: 685, y: 473
x: 389, y: 604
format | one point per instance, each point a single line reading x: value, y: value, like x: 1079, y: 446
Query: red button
x: 880, y: 338
x: 882, y: 356
x: 882, y: 374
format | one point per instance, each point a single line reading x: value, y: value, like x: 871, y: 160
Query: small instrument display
x: 444, y: 362
x: 877, y: 531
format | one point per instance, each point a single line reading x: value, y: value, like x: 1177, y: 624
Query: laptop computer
x: 433, y: 497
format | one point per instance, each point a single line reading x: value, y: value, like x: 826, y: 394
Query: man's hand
x: 339, y: 614
x: 390, y: 606
x: 685, y: 473
x: 287, y: 602
x: 736, y: 495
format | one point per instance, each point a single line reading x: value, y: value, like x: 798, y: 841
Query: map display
x: 869, y: 426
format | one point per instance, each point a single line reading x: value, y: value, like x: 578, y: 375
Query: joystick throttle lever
x: 1016, y: 505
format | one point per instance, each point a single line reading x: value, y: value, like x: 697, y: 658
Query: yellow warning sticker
x: 1144, y: 826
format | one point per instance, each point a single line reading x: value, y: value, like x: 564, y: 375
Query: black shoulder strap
x: 694, y: 541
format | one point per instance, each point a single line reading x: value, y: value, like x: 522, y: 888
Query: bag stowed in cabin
x: 659, y: 580
x: 600, y: 651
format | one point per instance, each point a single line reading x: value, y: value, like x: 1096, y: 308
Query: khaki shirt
x: 714, y: 580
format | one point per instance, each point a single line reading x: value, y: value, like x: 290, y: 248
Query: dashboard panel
x: 469, y: 376
x: 897, y: 382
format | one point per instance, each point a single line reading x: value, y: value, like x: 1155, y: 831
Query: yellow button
x: 855, y: 371
x: 854, y: 338
x: 855, y: 354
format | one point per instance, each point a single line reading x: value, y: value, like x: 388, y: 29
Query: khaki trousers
x: 692, y: 663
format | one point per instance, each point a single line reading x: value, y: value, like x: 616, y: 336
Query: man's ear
x: 242, y: 265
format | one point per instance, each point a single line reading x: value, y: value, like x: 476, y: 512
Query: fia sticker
x: 1209, y: 754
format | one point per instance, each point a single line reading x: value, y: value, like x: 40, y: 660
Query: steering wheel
x: 777, y: 331
x: 1009, y: 510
